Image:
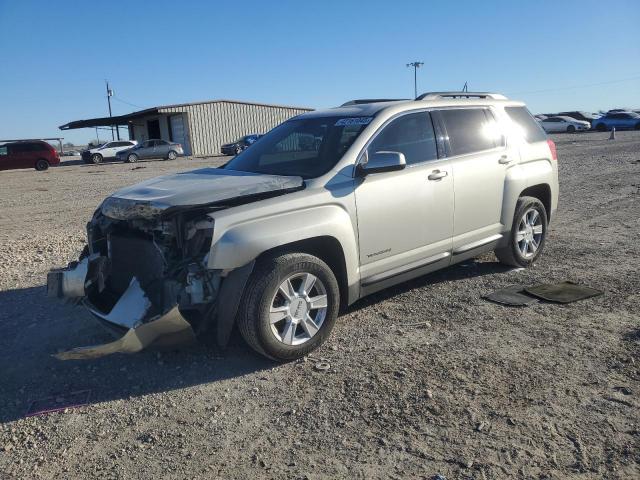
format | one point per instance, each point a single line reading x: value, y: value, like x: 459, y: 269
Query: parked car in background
x: 234, y: 148
x: 70, y: 153
x: 577, y: 115
x: 106, y: 151
x: 29, y: 154
x: 151, y: 149
x: 619, y: 120
x: 564, y: 124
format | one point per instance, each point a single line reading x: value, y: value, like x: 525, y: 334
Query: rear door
x: 479, y: 159
x: 162, y: 148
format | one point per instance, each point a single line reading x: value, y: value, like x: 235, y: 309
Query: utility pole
x: 109, y: 95
x: 416, y: 66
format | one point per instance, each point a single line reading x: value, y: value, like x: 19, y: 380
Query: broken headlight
x: 124, y: 209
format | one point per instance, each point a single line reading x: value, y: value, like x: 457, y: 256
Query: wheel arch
x: 326, y: 248
x: 542, y: 192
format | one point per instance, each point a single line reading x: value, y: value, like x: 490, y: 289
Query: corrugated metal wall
x: 211, y: 125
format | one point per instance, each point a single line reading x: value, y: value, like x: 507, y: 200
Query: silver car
x: 151, y: 149
x: 326, y: 208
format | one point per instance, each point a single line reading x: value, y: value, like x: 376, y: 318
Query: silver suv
x: 325, y: 209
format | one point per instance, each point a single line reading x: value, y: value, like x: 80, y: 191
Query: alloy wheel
x: 530, y: 232
x: 298, y: 308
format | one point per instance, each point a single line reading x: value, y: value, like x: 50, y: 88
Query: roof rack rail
x: 361, y: 101
x: 434, y: 95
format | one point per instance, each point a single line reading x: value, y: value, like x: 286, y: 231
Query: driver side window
x: 411, y: 135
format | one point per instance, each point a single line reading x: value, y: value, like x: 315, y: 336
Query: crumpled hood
x: 196, y: 188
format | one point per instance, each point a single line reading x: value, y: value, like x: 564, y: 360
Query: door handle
x: 437, y: 175
x: 504, y: 160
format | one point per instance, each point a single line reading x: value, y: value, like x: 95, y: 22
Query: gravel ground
x: 474, y: 390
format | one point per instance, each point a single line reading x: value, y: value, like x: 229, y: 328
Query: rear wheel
x: 172, y: 155
x: 528, y: 234
x: 96, y: 158
x: 601, y: 127
x: 571, y: 129
x: 132, y: 158
x: 238, y: 150
x: 289, y: 306
x: 42, y: 164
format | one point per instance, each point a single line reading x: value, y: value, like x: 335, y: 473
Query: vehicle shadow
x: 33, y: 327
x: 467, y: 269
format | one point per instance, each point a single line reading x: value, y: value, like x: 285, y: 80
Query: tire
x: 41, y: 165
x: 601, y: 127
x: 132, y: 158
x: 238, y: 150
x: 513, y: 253
x: 96, y: 158
x: 286, y: 339
x: 172, y: 155
x: 637, y: 127
x: 571, y: 129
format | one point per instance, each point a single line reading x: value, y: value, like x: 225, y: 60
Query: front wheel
x: 238, y: 150
x: 289, y: 306
x: 601, y: 127
x: 528, y: 234
x: 571, y: 129
x: 96, y: 158
x: 132, y: 158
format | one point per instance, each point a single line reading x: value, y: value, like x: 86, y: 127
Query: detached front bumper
x: 132, y: 314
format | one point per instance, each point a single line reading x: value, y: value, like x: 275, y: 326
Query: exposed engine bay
x: 144, y: 270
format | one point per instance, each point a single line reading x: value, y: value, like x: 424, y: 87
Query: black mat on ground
x: 563, y: 292
x: 513, y: 295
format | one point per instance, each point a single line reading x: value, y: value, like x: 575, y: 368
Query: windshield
x: 307, y: 147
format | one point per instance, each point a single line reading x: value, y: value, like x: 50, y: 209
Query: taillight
x: 552, y: 147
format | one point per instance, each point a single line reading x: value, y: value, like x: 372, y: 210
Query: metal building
x: 201, y: 127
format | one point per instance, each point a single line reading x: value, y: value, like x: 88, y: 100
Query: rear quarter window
x: 531, y: 130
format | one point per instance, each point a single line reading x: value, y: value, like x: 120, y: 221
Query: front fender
x: 237, y: 244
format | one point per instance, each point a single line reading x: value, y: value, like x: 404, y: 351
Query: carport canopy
x: 109, y: 121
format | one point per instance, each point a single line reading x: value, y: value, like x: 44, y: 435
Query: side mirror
x: 381, y: 162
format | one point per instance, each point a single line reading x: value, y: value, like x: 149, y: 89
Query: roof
x: 354, y: 108
x: 125, y: 119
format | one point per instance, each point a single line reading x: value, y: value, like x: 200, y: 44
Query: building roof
x: 125, y: 119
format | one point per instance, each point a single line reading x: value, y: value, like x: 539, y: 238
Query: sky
x: 554, y: 55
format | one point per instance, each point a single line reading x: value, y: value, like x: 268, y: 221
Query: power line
x: 577, y: 86
x: 126, y: 102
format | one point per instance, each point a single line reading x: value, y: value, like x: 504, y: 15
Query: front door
x: 405, y: 218
x: 479, y: 159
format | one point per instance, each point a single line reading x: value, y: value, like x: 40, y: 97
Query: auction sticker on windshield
x: 344, y: 122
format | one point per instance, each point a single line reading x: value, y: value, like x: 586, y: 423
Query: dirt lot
x: 480, y: 391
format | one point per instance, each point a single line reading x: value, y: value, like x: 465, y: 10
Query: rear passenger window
x: 411, y: 135
x: 531, y: 129
x: 470, y: 130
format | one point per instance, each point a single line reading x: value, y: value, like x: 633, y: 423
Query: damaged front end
x: 143, y: 274
x: 144, y: 271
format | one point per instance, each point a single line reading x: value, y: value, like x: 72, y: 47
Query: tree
x: 68, y: 145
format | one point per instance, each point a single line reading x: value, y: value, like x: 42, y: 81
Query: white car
x: 564, y: 124
x: 107, y: 150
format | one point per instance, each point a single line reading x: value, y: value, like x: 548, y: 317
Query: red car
x: 28, y: 154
